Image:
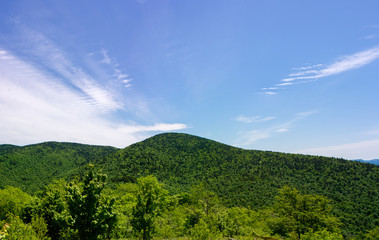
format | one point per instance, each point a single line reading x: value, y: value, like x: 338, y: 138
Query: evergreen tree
x: 91, y: 217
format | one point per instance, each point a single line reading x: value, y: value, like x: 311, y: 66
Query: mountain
x: 373, y: 161
x: 240, y: 177
x: 34, y: 166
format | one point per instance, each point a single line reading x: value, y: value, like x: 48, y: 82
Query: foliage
x: 249, y: 178
x: 52, y: 208
x: 241, y: 178
x: 12, y: 200
x: 33, y: 167
x: 15, y: 229
x: 237, y: 222
x: 299, y: 214
x: 92, y: 217
x: 321, y: 235
x: 150, y: 204
x: 373, y: 234
x: 40, y: 228
x: 201, y: 231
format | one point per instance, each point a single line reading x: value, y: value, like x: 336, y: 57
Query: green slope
x: 240, y: 177
x: 34, y: 166
x: 251, y: 178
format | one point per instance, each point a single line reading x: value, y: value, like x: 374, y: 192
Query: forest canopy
x: 208, y: 190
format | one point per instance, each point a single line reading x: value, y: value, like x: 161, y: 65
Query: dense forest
x: 182, y: 186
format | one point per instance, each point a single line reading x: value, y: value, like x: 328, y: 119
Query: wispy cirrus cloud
x: 307, y: 67
x: 120, y: 75
x: 245, y: 119
x: 372, y: 36
x: 46, y: 97
x: 248, y: 138
x: 314, y: 72
x: 54, y: 60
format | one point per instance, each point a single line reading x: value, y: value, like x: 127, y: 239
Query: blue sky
x: 289, y: 76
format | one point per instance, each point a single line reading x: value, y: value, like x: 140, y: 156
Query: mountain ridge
x: 372, y: 161
x: 248, y: 178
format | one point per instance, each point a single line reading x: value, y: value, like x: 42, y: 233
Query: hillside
x: 372, y: 161
x: 34, y: 166
x: 251, y: 178
x: 240, y: 177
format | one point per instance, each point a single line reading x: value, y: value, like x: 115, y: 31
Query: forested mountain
x: 247, y: 178
x: 372, y: 161
x: 34, y: 166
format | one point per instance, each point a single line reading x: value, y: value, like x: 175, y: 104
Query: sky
x: 289, y: 76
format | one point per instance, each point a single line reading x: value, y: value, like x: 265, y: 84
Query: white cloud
x: 282, y: 130
x: 37, y: 106
x: 343, y: 64
x: 305, y: 114
x: 283, y: 84
x: 359, y: 150
x: 270, y: 93
x: 370, y: 36
x: 339, y: 66
x: 246, y: 139
x: 270, y: 88
x: 116, y: 72
x: 301, y: 74
x: 308, y: 67
x: 53, y: 59
x: 244, y: 119
x: 106, y: 59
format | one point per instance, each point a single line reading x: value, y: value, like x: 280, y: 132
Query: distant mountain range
x: 248, y: 178
x: 373, y: 161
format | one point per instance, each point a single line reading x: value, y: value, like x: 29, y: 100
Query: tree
x: 52, y: 208
x: 15, y: 229
x: 321, y: 235
x: 204, y: 213
x: 91, y: 216
x: 236, y: 222
x: 13, y: 200
x: 298, y: 214
x: 150, y: 204
x: 372, y: 234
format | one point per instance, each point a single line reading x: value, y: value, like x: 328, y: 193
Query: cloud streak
x: 62, y: 103
x: 244, y: 119
x: 314, y: 72
x: 248, y: 138
x: 54, y: 60
x: 121, y: 76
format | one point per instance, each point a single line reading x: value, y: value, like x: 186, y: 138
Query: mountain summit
x: 248, y: 178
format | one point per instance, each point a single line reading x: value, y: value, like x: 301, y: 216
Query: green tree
x: 52, y: 208
x: 372, y: 234
x: 201, y: 231
x: 13, y: 200
x: 15, y: 229
x: 91, y: 216
x: 236, y: 222
x: 40, y: 228
x: 150, y: 204
x: 204, y: 213
x: 298, y: 214
x: 321, y: 235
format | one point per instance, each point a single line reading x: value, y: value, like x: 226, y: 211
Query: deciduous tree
x: 150, y: 204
